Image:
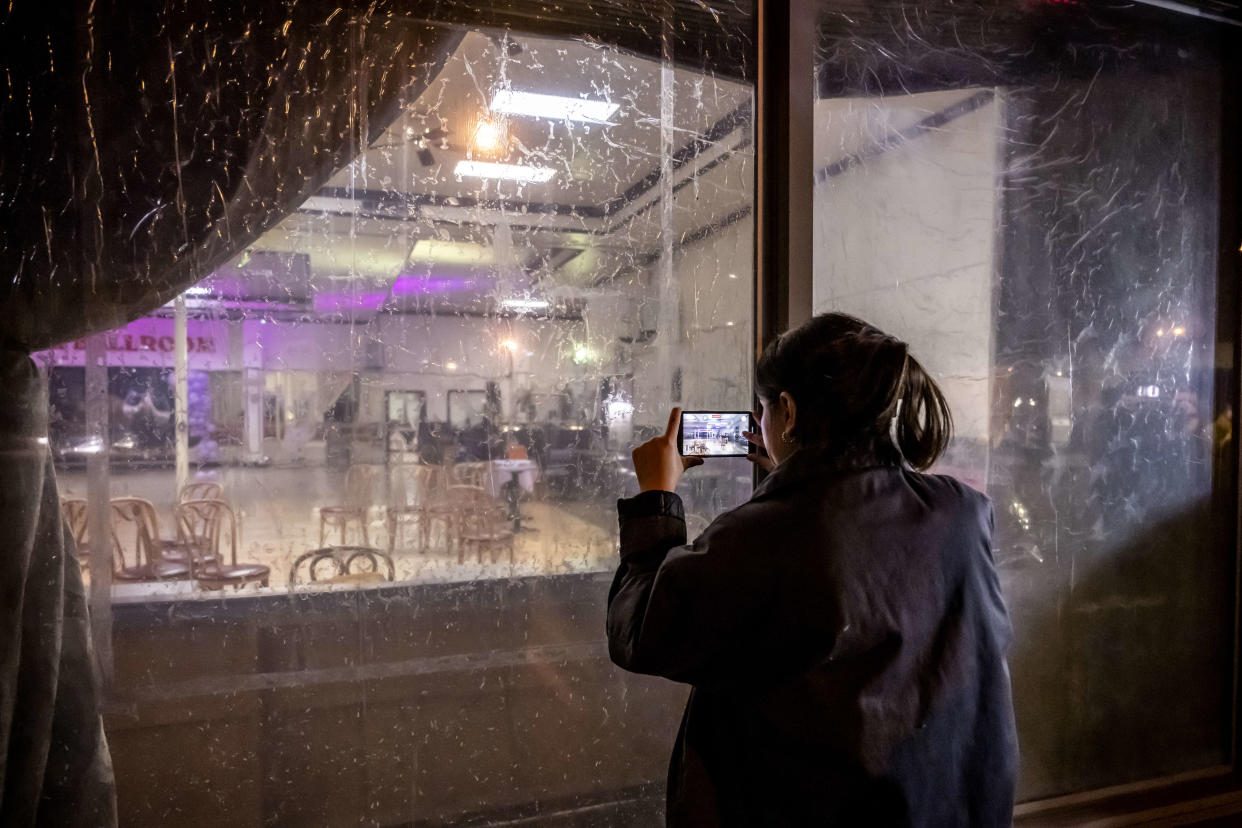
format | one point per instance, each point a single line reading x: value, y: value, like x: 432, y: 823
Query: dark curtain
x: 144, y: 143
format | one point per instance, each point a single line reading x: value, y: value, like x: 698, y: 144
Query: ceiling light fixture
x: 524, y: 304
x: 329, y: 204
x: 552, y: 107
x: 450, y: 252
x: 509, y: 172
x: 491, y: 137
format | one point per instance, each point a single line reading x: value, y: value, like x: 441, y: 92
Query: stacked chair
x: 204, y: 527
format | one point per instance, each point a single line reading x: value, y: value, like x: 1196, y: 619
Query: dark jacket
x: 845, y: 637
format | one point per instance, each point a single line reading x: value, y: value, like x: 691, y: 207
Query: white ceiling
x: 379, y: 207
x: 592, y: 163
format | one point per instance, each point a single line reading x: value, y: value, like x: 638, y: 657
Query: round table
x: 508, y: 478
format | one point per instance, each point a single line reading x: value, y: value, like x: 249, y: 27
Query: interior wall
x: 905, y: 234
x: 419, y: 349
x: 716, y: 310
x: 433, y: 354
x: 714, y: 352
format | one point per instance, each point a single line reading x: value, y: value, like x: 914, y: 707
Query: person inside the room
x: 843, y: 631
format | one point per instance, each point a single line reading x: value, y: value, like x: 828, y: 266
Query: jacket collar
x: 805, y: 465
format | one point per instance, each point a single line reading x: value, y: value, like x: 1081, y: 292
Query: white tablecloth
x: 503, y: 470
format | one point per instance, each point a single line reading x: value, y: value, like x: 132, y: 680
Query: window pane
x: 434, y: 369
x: 1029, y: 196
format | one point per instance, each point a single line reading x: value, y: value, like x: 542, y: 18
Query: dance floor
x: 278, y: 520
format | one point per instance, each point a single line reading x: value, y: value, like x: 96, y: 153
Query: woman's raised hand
x: 657, y: 462
x: 763, y: 461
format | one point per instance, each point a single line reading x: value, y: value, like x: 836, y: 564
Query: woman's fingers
x: 657, y: 463
x: 674, y: 423
x: 761, y: 460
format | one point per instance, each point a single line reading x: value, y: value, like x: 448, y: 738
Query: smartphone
x: 714, y: 434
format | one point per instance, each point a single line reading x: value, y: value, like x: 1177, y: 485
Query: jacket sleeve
x: 1001, y: 625
x: 689, y: 612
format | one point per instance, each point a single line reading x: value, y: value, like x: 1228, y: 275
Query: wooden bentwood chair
x: 343, y: 560
x: 177, y: 549
x: 485, y: 526
x: 413, y: 488
x: 205, y: 525
x: 358, y: 494
x: 443, y: 510
x: 204, y: 490
x: 136, y: 530
x: 472, y: 474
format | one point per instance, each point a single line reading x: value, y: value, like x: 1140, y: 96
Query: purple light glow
x: 337, y: 302
x: 433, y: 284
x: 196, y: 302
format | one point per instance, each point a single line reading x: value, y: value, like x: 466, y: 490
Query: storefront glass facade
x: 409, y: 411
x: 519, y: 336
x: 360, y: 578
x: 1032, y: 198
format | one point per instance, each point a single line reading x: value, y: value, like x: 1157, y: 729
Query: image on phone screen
x: 714, y: 433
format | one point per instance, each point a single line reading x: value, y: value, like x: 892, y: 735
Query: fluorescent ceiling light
x: 524, y: 304
x: 511, y: 172
x: 449, y: 252
x: 552, y: 107
x: 328, y: 204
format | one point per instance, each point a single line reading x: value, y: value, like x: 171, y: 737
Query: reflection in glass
x: 1030, y: 199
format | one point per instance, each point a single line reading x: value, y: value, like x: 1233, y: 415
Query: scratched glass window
x: 1030, y: 198
x: 506, y: 291
x: 409, y: 405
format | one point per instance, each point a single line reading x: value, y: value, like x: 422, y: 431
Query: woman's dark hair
x: 849, y: 380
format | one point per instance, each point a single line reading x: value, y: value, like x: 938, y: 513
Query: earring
x: 785, y: 438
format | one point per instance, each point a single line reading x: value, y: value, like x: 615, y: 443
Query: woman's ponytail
x: 924, y: 423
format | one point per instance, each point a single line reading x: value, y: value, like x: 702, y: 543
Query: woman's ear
x: 791, y: 412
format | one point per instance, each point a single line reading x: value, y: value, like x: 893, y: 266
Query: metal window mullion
x: 785, y: 166
x: 99, y: 518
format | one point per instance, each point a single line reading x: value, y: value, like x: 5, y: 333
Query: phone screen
x: 714, y: 434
